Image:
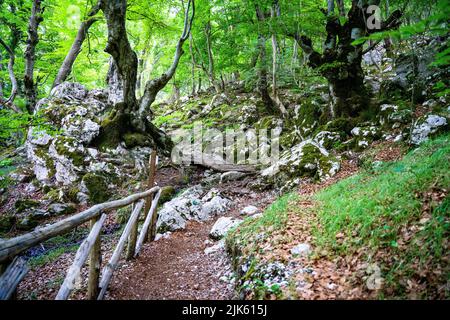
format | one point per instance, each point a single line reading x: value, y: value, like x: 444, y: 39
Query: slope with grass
x: 381, y: 233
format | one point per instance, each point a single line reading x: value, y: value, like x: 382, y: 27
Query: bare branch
x: 154, y: 86
x: 69, y: 60
x: 10, y: 101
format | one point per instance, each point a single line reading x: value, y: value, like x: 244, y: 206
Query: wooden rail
x: 90, y: 247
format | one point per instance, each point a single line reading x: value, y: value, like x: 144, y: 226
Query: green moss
x: 49, y: 163
x: 72, y: 194
x: 112, y: 129
x: 97, y: 187
x: 342, y: 126
x: 52, y: 195
x: 6, y: 222
x: 27, y: 223
x: 133, y: 139
x: 167, y: 193
x: 23, y: 204
x: 61, y: 146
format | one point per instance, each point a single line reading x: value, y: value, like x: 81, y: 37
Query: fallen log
x: 11, y: 278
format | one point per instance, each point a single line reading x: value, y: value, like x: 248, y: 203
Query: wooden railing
x: 91, y: 246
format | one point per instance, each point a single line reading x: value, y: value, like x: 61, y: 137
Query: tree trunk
x: 14, y: 87
x: 120, y: 49
x: 262, y: 67
x: 191, y: 51
x: 129, y: 114
x: 340, y: 62
x: 66, y: 67
x: 30, y: 55
x: 211, y: 71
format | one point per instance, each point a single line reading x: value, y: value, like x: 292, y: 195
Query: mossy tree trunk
x: 131, y: 115
x: 340, y: 62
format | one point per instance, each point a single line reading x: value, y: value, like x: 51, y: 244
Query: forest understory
x: 301, y: 150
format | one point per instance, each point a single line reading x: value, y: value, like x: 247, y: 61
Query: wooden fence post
x: 131, y: 248
x: 95, y: 263
x: 150, y: 184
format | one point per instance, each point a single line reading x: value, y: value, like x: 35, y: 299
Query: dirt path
x: 177, y: 267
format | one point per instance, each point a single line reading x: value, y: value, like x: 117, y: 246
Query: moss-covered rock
x: 7, y: 221
x: 68, y: 148
x: 364, y: 135
x: 134, y: 139
x: 97, y: 187
x: 53, y: 195
x: 72, y: 194
x: 305, y: 159
x: 24, y: 204
x: 167, y: 193
x: 27, y: 223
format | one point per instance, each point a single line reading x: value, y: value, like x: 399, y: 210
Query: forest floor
x: 173, y: 267
x: 177, y: 266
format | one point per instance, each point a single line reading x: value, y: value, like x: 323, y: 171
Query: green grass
x: 375, y: 209
x: 375, y: 205
x: 273, y: 218
x: 374, y: 212
x: 50, y: 256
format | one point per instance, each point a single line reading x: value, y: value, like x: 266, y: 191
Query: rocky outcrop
x: 70, y: 157
x: 222, y: 226
x: 192, y: 204
x: 426, y: 126
x: 308, y: 158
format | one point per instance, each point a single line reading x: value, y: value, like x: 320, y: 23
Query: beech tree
x: 340, y: 60
x: 132, y: 112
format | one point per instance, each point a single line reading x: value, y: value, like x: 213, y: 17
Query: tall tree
x: 340, y: 61
x: 30, y: 54
x: 131, y: 113
x: 69, y: 60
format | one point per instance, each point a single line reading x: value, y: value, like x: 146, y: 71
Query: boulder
x: 190, y: 205
x: 365, y: 135
x: 62, y: 159
x: 249, y: 211
x: 426, y: 126
x: 327, y: 139
x: 308, y: 158
x: 231, y: 176
x: 222, y: 226
x: 61, y: 208
x: 220, y: 246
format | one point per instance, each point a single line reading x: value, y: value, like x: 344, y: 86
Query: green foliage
x: 51, y: 256
x: 369, y: 211
x: 273, y: 218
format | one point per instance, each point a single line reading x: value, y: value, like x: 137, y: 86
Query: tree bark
x: 211, y: 70
x: 153, y: 87
x: 340, y: 62
x: 119, y: 48
x: 69, y: 60
x: 262, y: 67
x: 30, y: 54
x: 14, y: 88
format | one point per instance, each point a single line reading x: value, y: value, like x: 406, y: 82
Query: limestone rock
x: 305, y: 159
x: 425, y: 127
x: 222, y: 226
x: 302, y: 249
x: 249, y: 211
